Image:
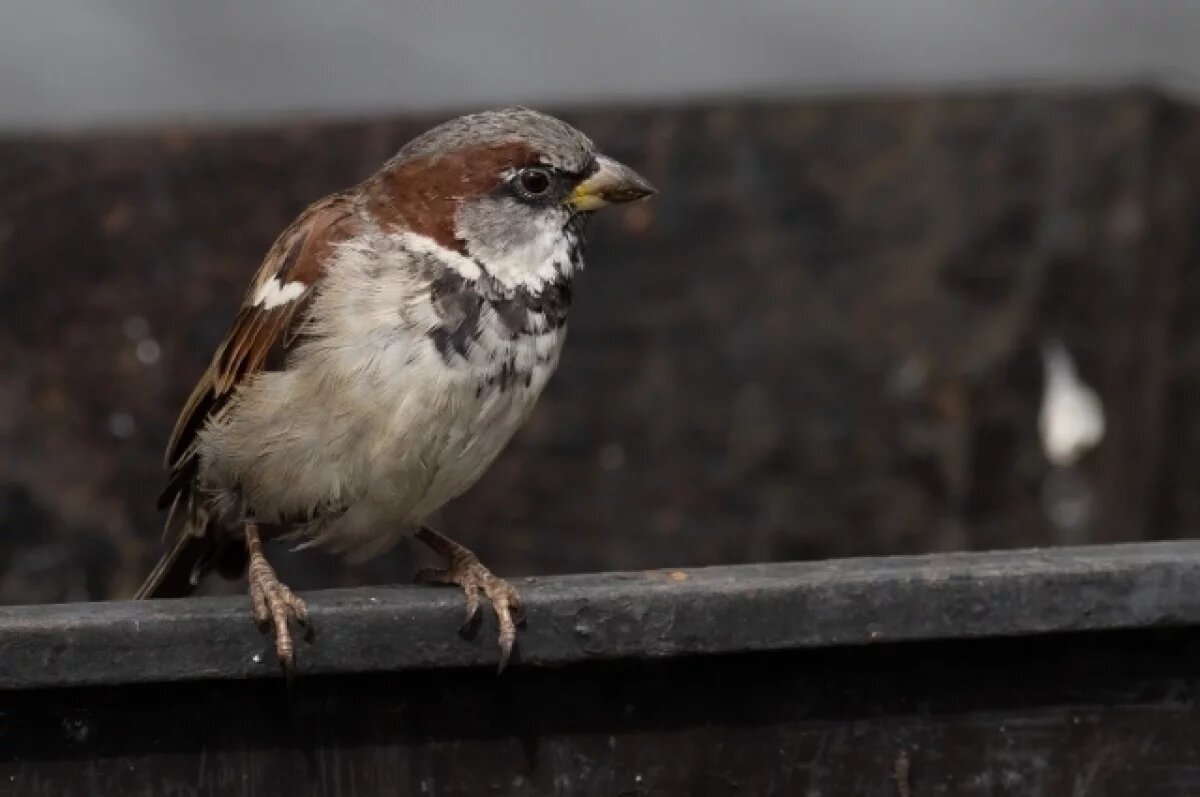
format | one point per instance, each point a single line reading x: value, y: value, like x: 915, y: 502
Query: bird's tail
x: 180, y: 568
x: 195, y: 549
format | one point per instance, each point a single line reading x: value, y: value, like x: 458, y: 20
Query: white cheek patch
x: 273, y: 294
x: 542, y: 258
x: 421, y: 244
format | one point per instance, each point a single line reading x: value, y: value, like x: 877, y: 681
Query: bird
x: 394, y: 338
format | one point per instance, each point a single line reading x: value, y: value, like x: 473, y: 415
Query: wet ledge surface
x: 620, y: 616
x: 1030, y: 674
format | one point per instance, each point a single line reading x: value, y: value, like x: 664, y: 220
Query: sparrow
x: 394, y: 338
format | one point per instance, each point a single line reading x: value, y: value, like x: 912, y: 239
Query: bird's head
x: 507, y: 189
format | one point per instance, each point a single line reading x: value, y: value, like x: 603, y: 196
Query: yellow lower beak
x: 612, y: 183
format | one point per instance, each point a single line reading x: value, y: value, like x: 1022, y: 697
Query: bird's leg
x: 274, y: 603
x: 464, y: 569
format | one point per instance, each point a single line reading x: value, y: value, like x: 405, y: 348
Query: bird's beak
x: 610, y: 184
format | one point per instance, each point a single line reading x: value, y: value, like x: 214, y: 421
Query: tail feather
x: 179, y: 570
x: 195, y: 549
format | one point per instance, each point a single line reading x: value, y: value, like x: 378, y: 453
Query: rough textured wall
x: 821, y: 339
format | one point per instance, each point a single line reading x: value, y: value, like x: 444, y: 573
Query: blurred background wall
x: 890, y: 239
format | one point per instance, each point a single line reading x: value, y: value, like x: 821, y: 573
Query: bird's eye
x: 534, y: 182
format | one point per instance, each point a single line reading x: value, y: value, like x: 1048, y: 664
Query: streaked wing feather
x: 298, y: 255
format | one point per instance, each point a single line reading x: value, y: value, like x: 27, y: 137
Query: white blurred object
x: 1071, y: 420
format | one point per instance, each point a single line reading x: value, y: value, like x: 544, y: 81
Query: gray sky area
x: 89, y: 62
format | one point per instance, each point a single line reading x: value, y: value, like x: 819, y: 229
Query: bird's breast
x: 433, y: 370
x: 410, y: 381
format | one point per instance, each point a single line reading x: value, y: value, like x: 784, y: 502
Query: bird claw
x: 274, y: 605
x: 468, y: 572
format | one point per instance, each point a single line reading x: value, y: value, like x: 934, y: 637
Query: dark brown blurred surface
x: 821, y: 339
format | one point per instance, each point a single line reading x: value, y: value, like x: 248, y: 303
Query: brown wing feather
x: 298, y: 255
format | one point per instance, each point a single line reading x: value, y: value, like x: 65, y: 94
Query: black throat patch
x: 459, y: 304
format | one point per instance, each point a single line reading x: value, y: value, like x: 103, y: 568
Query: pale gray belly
x: 359, y: 446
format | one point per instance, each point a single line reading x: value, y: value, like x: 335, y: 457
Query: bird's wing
x: 265, y: 327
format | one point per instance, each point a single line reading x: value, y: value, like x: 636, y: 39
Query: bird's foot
x: 274, y: 604
x: 465, y: 570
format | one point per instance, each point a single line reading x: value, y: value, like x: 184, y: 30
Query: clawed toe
x: 274, y: 606
x: 470, y: 588
x: 509, y: 612
x: 468, y: 572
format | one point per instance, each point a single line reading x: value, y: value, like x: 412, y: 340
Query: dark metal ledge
x: 646, y: 615
x: 1022, y: 674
